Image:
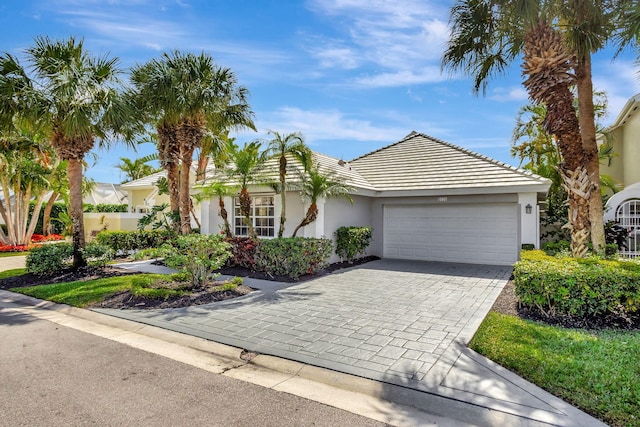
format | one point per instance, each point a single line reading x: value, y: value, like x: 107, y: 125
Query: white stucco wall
x: 631, y: 150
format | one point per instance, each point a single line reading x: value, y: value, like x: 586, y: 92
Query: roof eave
x: 622, y: 116
x: 541, y: 188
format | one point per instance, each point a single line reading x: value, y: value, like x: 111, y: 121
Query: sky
x: 352, y: 76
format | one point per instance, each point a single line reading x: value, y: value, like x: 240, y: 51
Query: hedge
x: 122, y: 242
x: 581, y: 288
x: 292, y: 257
x: 352, y: 241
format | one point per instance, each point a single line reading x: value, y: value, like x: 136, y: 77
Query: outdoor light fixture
x: 527, y: 208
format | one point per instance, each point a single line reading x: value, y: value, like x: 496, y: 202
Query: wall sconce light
x: 527, y: 209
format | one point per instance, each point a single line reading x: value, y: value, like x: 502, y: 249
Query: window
x: 262, y: 217
x: 628, y: 216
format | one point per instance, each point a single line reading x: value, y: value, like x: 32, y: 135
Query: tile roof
x: 421, y: 162
x: 145, y: 181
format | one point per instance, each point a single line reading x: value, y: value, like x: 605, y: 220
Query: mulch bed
x: 508, y: 303
x: 125, y: 300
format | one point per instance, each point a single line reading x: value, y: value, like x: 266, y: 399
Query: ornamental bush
x: 579, y: 288
x: 198, y: 255
x: 47, y: 259
x: 292, y: 256
x: 352, y: 241
x: 243, y: 251
x: 123, y: 242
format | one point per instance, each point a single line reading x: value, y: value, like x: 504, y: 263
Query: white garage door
x: 473, y: 233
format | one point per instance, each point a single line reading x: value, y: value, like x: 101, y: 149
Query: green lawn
x: 81, y: 294
x: 597, y: 371
x: 8, y: 254
x: 14, y: 272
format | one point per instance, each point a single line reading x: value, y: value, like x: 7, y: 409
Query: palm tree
x: 138, y: 168
x: 186, y: 94
x: 281, y: 146
x: 247, y: 163
x: 489, y: 34
x: 220, y: 190
x: 80, y: 103
x: 315, y: 185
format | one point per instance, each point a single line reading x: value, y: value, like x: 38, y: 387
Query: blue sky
x: 351, y: 75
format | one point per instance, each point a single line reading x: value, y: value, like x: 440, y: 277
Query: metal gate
x: 628, y: 216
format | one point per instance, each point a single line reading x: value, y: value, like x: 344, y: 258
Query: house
x: 624, y: 206
x: 426, y: 199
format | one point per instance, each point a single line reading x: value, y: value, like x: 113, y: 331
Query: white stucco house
x: 426, y: 199
x: 624, y: 206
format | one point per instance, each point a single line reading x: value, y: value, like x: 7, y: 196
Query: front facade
x: 425, y: 199
x: 624, y: 206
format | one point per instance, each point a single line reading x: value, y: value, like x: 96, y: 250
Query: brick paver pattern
x: 386, y: 320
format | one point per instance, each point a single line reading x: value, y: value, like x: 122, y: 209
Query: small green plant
x: 48, y: 259
x: 232, y: 284
x: 160, y: 218
x: 352, y: 241
x: 198, y: 255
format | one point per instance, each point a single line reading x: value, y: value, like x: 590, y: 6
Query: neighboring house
x: 624, y: 206
x: 425, y: 199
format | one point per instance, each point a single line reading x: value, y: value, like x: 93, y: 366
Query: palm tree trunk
x: 311, y: 216
x: 34, y: 216
x: 74, y: 171
x: 224, y: 216
x: 245, y: 210
x: 185, y: 196
x: 203, y: 162
x: 590, y: 147
x: 283, y: 194
x: 46, y: 215
x: 193, y: 214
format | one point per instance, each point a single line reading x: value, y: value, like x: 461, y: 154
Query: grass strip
x: 83, y: 293
x: 12, y: 272
x: 597, y: 371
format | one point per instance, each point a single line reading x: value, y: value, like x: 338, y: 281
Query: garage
x: 467, y: 233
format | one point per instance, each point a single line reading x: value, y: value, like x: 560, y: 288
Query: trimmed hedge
x: 105, y: 208
x: 47, y: 259
x: 352, y: 241
x: 122, y: 242
x: 581, y: 288
x: 293, y: 256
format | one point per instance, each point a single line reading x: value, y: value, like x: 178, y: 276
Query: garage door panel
x: 484, y: 233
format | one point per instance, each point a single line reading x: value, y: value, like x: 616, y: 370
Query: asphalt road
x: 51, y: 375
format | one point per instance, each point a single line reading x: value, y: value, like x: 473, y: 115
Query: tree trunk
x: 224, y: 216
x: 74, y: 171
x: 312, y: 214
x: 245, y: 210
x: 185, y: 196
x: 46, y: 215
x: 203, y: 162
x: 590, y: 147
x: 283, y: 194
x: 34, y: 216
x: 169, y: 155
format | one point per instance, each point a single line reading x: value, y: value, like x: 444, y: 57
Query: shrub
x: 553, y: 248
x: 243, y: 252
x: 123, y: 242
x: 47, y: 259
x: 105, y: 207
x: 199, y: 255
x: 292, y: 257
x: 581, y: 288
x: 352, y: 241
x: 97, y: 254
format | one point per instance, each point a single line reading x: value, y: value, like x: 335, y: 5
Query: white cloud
x: 516, y: 93
x: 327, y: 125
x: 402, y: 40
x: 620, y: 80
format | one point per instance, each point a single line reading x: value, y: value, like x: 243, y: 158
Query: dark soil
x: 196, y: 296
x: 246, y: 272
x: 508, y: 303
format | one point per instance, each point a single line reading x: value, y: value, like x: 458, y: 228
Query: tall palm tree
x: 186, y: 94
x: 246, y: 169
x: 281, y: 146
x: 488, y: 34
x: 315, y: 185
x: 81, y: 103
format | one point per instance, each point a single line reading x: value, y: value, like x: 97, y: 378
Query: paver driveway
x: 388, y: 320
